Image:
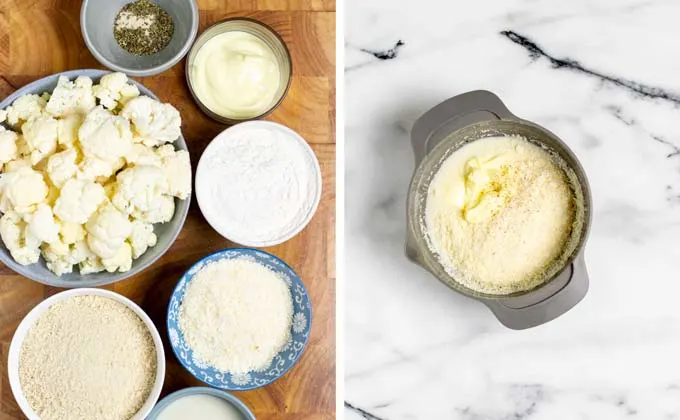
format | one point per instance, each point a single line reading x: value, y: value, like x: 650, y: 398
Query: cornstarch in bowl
x: 258, y: 183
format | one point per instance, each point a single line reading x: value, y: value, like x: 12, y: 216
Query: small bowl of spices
x: 239, y: 69
x: 139, y: 37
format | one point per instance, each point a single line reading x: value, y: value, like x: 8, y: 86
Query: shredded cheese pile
x: 236, y: 315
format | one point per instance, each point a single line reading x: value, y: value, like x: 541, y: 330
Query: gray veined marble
x: 604, y: 75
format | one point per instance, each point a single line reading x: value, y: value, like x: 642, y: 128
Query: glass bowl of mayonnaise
x: 239, y: 69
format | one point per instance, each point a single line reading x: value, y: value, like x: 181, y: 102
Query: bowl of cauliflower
x: 95, y: 179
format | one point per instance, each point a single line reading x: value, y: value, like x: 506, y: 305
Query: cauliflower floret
x: 25, y: 108
x: 56, y: 262
x: 162, y: 211
x: 78, y: 200
x: 25, y: 248
x: 62, y: 166
x: 71, y: 97
x: 105, y: 136
x: 107, y: 230
x: 121, y: 261
x: 40, y: 134
x: 142, y: 238
x: 113, y: 89
x: 154, y: 123
x: 8, y: 145
x: 140, y: 192
x: 61, y: 259
x: 14, y: 165
x: 99, y: 170
x: 57, y: 248
x: 21, y: 190
x: 142, y: 155
x: 41, y: 224
x: 67, y: 130
x: 127, y: 93
x: 71, y: 233
x: 91, y: 265
x: 177, y: 169
x: 93, y: 168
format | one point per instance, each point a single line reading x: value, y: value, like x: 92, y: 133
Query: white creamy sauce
x: 200, y: 406
x: 257, y: 184
x: 236, y: 75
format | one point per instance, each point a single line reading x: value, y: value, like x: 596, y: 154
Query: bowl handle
x: 545, y: 304
x: 455, y: 113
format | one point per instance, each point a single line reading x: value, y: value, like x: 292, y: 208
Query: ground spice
x: 143, y: 28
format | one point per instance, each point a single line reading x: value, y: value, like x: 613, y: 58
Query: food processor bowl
x: 442, y: 131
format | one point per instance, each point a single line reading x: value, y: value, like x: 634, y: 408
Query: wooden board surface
x: 306, y: 392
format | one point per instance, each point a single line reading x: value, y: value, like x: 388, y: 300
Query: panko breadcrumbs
x: 87, y: 358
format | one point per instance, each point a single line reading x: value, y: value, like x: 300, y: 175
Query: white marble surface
x: 608, y: 83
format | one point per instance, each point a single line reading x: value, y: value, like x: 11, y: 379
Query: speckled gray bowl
x: 166, y: 232
x: 96, y: 23
x: 197, y: 390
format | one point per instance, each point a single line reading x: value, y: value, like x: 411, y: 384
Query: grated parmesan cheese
x: 85, y: 358
x: 502, y: 214
x: 236, y: 315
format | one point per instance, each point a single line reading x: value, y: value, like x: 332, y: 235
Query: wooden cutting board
x: 42, y: 37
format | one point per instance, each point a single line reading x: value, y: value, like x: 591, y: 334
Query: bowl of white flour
x: 258, y: 183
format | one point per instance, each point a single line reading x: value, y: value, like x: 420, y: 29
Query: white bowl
x: 202, y: 174
x: 31, y: 317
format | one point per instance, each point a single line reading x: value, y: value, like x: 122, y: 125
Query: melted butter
x: 488, y: 187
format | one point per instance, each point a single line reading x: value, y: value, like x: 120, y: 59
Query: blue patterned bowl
x: 300, y: 329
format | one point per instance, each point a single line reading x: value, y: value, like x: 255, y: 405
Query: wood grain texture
x: 307, y: 392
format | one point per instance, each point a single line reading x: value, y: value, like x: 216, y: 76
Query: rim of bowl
x: 312, y: 210
x: 227, y: 120
x: 247, y: 250
x: 152, y: 70
x: 31, y: 317
x: 24, y: 270
x: 200, y: 390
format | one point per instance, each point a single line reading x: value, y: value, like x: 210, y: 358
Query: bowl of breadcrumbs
x: 85, y: 354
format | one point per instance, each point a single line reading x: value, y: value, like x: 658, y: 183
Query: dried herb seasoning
x: 143, y: 28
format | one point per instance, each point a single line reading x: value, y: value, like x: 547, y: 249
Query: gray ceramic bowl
x: 96, y: 23
x: 235, y: 402
x: 166, y: 232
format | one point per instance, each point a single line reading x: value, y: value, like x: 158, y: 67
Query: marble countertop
x: 603, y: 75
